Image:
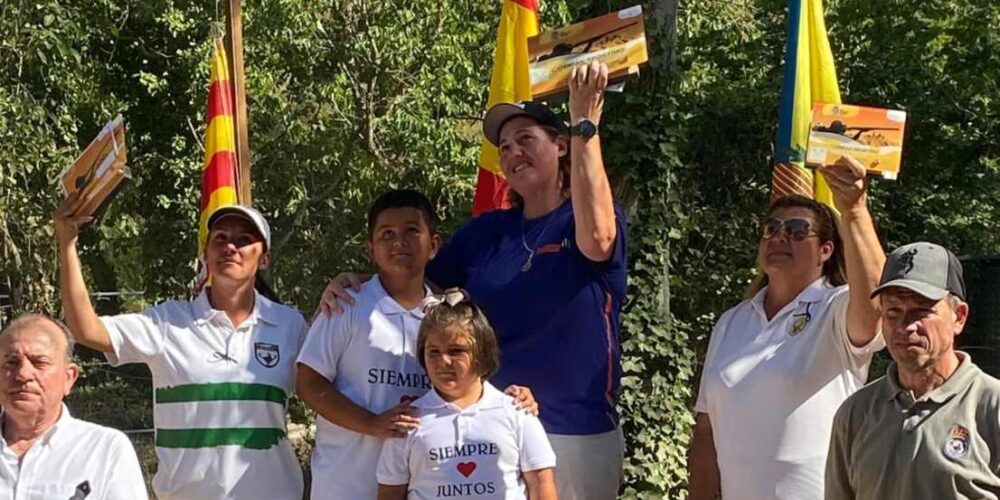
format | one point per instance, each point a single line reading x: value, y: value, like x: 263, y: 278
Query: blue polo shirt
x: 557, y: 322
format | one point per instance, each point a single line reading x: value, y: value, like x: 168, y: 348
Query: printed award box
x: 873, y: 136
x: 99, y: 172
x: 617, y: 39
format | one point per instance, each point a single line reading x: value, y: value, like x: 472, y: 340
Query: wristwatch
x: 584, y: 129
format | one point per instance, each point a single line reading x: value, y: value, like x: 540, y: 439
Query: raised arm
x: 81, y: 318
x: 863, y: 254
x: 593, y: 209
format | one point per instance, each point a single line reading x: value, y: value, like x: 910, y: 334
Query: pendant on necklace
x: 527, y: 264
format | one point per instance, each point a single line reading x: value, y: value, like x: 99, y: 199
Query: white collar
x: 263, y: 309
x: 49, y: 436
x: 492, y: 398
x: 388, y: 305
x: 812, y: 293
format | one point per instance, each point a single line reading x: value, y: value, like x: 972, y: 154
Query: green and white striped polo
x: 219, y: 395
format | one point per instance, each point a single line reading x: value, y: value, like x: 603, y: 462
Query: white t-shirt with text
x: 368, y: 354
x: 478, y: 452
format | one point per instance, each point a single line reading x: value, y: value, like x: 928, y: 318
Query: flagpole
x: 234, y: 46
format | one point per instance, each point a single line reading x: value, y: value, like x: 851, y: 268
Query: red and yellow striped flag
x: 218, y: 176
x: 509, y: 83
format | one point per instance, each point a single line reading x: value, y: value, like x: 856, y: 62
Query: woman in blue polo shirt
x: 550, y: 274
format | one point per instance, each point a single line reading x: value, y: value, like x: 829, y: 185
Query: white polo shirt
x: 771, y: 389
x: 368, y: 353
x: 219, y: 396
x: 478, y: 452
x: 71, y: 461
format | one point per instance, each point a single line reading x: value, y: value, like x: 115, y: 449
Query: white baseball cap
x: 248, y: 213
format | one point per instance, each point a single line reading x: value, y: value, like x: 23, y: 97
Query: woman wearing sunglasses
x: 781, y: 362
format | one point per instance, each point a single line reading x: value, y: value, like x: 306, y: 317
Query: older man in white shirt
x: 45, y: 453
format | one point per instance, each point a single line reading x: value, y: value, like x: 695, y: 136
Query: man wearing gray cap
x: 930, y: 428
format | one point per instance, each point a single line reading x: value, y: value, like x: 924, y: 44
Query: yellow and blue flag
x: 809, y: 76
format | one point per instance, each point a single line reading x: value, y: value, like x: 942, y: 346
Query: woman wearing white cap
x: 222, y: 365
x: 551, y: 275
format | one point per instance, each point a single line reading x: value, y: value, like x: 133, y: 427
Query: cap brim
x: 496, y: 117
x: 930, y: 291
x: 244, y: 213
x: 236, y: 210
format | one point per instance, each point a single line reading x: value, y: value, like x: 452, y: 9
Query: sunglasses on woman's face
x: 795, y: 229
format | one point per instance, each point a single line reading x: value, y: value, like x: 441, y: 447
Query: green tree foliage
x: 349, y: 98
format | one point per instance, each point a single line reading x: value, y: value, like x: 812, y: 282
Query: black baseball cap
x: 925, y: 268
x: 501, y: 113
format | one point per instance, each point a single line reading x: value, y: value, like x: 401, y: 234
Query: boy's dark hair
x: 402, y: 198
x: 475, y: 327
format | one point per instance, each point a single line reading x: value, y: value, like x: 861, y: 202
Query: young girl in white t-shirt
x: 472, y: 442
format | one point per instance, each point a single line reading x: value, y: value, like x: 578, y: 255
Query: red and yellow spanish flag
x: 218, y: 176
x: 509, y: 83
x: 810, y: 76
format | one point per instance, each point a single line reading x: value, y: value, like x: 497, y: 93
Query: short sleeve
x: 701, y: 404
x: 393, y: 467
x: 536, y: 451
x: 301, y: 332
x: 124, y: 481
x: 859, y: 356
x: 450, y: 267
x: 135, y: 338
x: 838, y: 484
x: 325, y: 343
x: 617, y: 262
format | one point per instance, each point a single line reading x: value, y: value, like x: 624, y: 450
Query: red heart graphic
x: 467, y: 468
x: 407, y: 399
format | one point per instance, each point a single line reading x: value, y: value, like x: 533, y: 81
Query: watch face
x: 586, y: 129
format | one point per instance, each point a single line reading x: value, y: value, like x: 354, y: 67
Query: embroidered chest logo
x: 81, y: 491
x: 957, y: 445
x: 801, y: 320
x: 266, y: 354
x: 907, y: 260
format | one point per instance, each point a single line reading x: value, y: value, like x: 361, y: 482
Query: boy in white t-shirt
x: 358, y: 370
x: 471, y: 441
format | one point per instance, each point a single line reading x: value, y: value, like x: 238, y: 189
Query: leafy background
x: 350, y: 98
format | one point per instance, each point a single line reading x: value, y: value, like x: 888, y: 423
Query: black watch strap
x: 584, y: 129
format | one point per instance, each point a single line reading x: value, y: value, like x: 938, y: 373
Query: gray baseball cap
x: 250, y: 214
x: 928, y: 269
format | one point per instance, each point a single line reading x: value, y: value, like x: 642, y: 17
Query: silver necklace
x: 531, y: 250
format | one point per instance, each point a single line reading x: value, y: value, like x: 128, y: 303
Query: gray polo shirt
x: 886, y: 445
